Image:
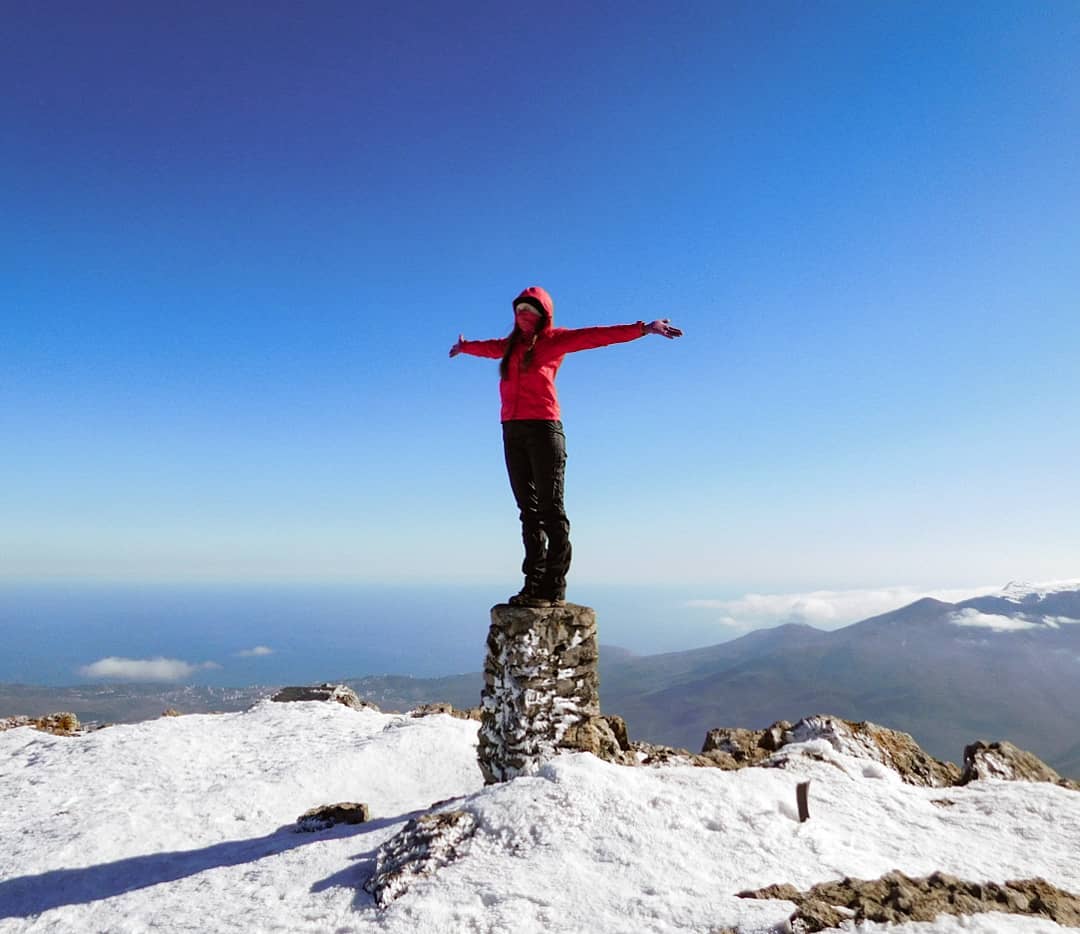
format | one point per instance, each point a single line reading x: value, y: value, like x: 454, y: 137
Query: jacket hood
x: 538, y: 298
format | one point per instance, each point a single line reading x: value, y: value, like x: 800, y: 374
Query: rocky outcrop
x: 734, y: 748
x: 896, y: 898
x: 731, y: 748
x: 424, y: 845
x: 619, y: 731
x: 541, y: 691
x: 12, y: 723
x: 328, y: 815
x: 324, y: 692
x: 59, y: 724
x: 655, y: 755
x: 1006, y: 762
x: 442, y: 707
x: 432, y: 709
x: 896, y: 750
x: 594, y: 734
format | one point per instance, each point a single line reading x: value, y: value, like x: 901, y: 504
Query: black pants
x: 536, y: 462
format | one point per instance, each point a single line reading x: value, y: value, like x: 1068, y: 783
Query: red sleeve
x: 570, y: 339
x: 493, y: 348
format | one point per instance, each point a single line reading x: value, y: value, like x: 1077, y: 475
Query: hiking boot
x: 532, y: 600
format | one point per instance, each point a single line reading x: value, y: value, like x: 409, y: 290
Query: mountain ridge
x: 915, y: 668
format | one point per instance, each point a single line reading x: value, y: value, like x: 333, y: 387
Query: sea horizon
x: 232, y: 634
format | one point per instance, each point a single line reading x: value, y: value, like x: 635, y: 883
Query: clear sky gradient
x: 238, y: 239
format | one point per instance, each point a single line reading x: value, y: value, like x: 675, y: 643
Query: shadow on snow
x: 25, y: 896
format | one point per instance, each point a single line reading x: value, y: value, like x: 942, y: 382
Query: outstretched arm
x: 569, y: 341
x: 493, y: 348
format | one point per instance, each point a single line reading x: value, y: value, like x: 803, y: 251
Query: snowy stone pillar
x: 541, y: 689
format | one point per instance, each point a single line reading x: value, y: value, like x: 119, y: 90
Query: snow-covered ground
x: 187, y: 824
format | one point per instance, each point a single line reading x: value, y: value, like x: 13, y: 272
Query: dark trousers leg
x: 536, y: 463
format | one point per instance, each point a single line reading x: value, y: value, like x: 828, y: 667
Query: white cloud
x: 972, y: 617
x: 143, y: 669
x: 256, y: 652
x: 825, y: 609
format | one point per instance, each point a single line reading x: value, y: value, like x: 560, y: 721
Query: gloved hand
x: 456, y: 349
x: 663, y: 327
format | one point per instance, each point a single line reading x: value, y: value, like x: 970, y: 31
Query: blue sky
x: 238, y: 240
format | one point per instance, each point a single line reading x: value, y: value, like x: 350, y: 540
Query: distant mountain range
x: 1003, y: 666
x: 124, y: 703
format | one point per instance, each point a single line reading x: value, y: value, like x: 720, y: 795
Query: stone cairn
x: 541, y: 691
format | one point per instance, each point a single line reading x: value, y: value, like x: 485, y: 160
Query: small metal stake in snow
x: 802, y: 798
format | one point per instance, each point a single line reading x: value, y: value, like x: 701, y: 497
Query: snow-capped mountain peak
x: 1023, y: 605
x: 1027, y: 591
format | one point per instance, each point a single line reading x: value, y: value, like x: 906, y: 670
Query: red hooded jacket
x: 529, y: 391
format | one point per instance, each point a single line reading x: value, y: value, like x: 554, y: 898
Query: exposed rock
x: 655, y: 755
x: 427, y: 710
x: 817, y: 915
x: 896, y: 750
x: 170, y: 712
x: 59, y: 724
x: 772, y: 738
x: 424, y: 845
x: 541, y: 690
x: 595, y: 735
x: 780, y: 891
x: 1006, y: 762
x: 740, y: 744
x: 12, y: 723
x: 733, y: 748
x: 618, y: 728
x: 324, y: 692
x: 745, y: 747
x: 327, y: 815
x: 896, y: 898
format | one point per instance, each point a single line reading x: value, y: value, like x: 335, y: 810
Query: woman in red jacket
x: 533, y: 438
